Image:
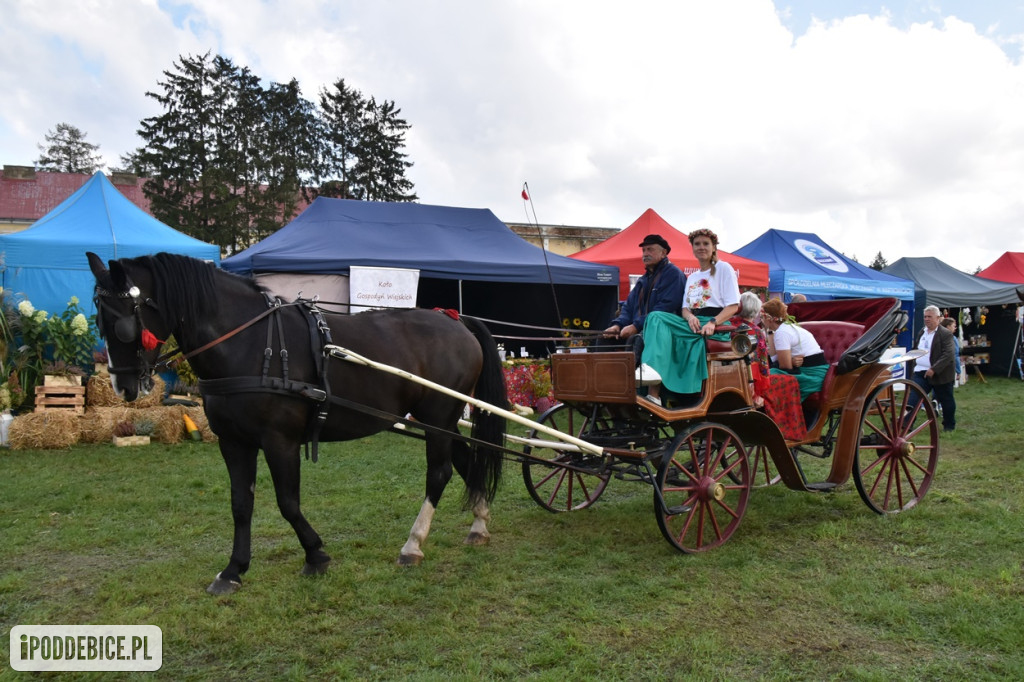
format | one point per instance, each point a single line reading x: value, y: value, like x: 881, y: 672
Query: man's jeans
x: 943, y: 394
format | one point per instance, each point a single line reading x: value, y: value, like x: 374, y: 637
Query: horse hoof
x: 221, y: 587
x: 315, y: 569
x: 409, y: 559
x: 477, y: 539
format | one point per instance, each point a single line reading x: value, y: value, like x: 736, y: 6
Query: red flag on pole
x: 526, y: 197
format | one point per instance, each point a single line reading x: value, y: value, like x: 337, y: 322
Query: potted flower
x: 60, y: 373
x: 100, y: 361
x: 126, y: 433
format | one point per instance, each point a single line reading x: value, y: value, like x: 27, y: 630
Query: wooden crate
x: 60, y: 398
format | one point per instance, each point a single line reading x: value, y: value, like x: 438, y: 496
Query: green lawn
x: 811, y: 586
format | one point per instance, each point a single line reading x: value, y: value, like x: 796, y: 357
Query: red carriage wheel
x: 557, y: 487
x: 703, y: 487
x: 762, y: 469
x: 898, y: 448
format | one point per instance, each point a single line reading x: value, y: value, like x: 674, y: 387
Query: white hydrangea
x: 26, y: 309
x: 39, y: 316
x: 79, y: 325
x: 73, y: 301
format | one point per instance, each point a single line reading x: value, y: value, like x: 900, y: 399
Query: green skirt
x: 676, y: 352
x: 809, y: 378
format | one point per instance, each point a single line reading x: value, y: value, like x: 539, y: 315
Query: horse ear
x: 96, y: 265
x: 118, y: 275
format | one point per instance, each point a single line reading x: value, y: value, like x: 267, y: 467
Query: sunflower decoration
x: 575, y: 324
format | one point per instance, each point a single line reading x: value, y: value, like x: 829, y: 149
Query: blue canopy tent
x: 800, y: 263
x: 46, y: 263
x: 467, y: 259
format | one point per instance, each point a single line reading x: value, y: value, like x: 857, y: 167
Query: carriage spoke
x: 700, y: 503
x: 895, y: 474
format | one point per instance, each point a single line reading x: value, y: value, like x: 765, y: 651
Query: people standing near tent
x: 933, y: 371
x: 950, y: 324
x: 794, y: 350
x: 675, y: 346
x: 660, y: 288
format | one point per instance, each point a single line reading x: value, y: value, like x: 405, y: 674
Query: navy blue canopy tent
x: 467, y: 259
x: 46, y: 263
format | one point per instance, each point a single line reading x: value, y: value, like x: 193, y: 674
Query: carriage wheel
x: 702, y: 489
x: 898, y: 448
x: 557, y: 488
x: 762, y: 469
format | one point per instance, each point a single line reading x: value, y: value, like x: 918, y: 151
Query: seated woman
x: 794, y: 349
x: 777, y: 394
x: 675, y: 346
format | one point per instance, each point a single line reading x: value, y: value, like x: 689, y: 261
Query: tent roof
x: 46, y: 262
x: 945, y: 286
x: 622, y: 251
x: 96, y: 218
x: 800, y: 262
x: 440, y: 241
x: 1007, y: 268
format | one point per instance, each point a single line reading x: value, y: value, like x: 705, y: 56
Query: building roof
x: 26, y: 195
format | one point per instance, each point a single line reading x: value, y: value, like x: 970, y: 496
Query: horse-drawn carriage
x: 275, y: 375
x: 703, y: 458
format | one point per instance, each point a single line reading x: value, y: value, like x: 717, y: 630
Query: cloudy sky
x: 895, y: 127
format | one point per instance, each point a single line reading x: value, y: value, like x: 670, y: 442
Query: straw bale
x: 199, y: 417
x: 97, y: 424
x: 52, y: 429
x: 101, y: 394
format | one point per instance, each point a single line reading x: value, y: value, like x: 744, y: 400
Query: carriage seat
x: 715, y: 346
x: 834, y: 337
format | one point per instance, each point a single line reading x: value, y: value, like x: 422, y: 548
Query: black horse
x: 267, y: 385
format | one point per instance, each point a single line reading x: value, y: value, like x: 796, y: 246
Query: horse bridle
x: 127, y: 328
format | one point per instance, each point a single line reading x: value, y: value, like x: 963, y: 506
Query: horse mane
x: 187, y: 288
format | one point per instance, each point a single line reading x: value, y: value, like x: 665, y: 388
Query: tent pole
x: 1016, y: 351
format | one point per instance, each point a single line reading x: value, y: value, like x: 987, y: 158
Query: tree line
x: 229, y: 160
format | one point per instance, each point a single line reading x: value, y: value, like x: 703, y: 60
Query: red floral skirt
x: 781, y: 397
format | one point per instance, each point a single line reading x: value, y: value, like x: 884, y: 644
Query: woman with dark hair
x: 675, y: 346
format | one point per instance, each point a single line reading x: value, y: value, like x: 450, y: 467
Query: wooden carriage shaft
x: 351, y: 356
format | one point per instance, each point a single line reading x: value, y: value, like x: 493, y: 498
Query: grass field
x: 811, y: 586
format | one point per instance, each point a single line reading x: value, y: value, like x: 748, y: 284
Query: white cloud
x: 895, y: 131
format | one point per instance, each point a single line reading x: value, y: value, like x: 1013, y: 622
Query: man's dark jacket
x: 942, y: 355
x: 657, y: 289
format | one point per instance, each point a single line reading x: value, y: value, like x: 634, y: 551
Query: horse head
x: 129, y: 321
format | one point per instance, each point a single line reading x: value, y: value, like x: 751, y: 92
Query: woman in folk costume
x: 675, y: 346
x: 794, y: 349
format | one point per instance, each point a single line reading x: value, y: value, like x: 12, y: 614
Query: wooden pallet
x: 60, y: 398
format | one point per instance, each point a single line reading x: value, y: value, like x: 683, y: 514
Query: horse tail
x: 485, y: 463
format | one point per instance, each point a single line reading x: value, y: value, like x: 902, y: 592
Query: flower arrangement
x: 528, y: 382
x: 574, y: 325
x: 70, y: 335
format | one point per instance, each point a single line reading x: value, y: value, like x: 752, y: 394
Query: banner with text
x: 371, y: 288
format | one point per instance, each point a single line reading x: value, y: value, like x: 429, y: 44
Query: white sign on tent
x: 371, y: 288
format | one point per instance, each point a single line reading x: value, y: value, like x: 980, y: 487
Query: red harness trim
x: 450, y: 312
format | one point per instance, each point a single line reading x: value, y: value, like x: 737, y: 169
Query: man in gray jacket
x: 935, y: 372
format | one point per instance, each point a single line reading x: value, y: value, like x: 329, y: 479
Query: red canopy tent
x: 623, y: 251
x: 1007, y: 268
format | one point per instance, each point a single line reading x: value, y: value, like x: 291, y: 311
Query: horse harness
x: 128, y: 328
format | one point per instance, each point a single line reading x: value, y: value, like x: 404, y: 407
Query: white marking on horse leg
x: 478, y: 534
x: 412, y: 554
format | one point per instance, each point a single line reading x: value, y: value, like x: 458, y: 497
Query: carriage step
x: 823, y: 486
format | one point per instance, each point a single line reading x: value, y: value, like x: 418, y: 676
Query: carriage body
x: 704, y: 458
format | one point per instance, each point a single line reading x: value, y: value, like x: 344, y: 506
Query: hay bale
x: 97, y: 424
x: 199, y: 417
x: 100, y: 393
x: 52, y: 429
